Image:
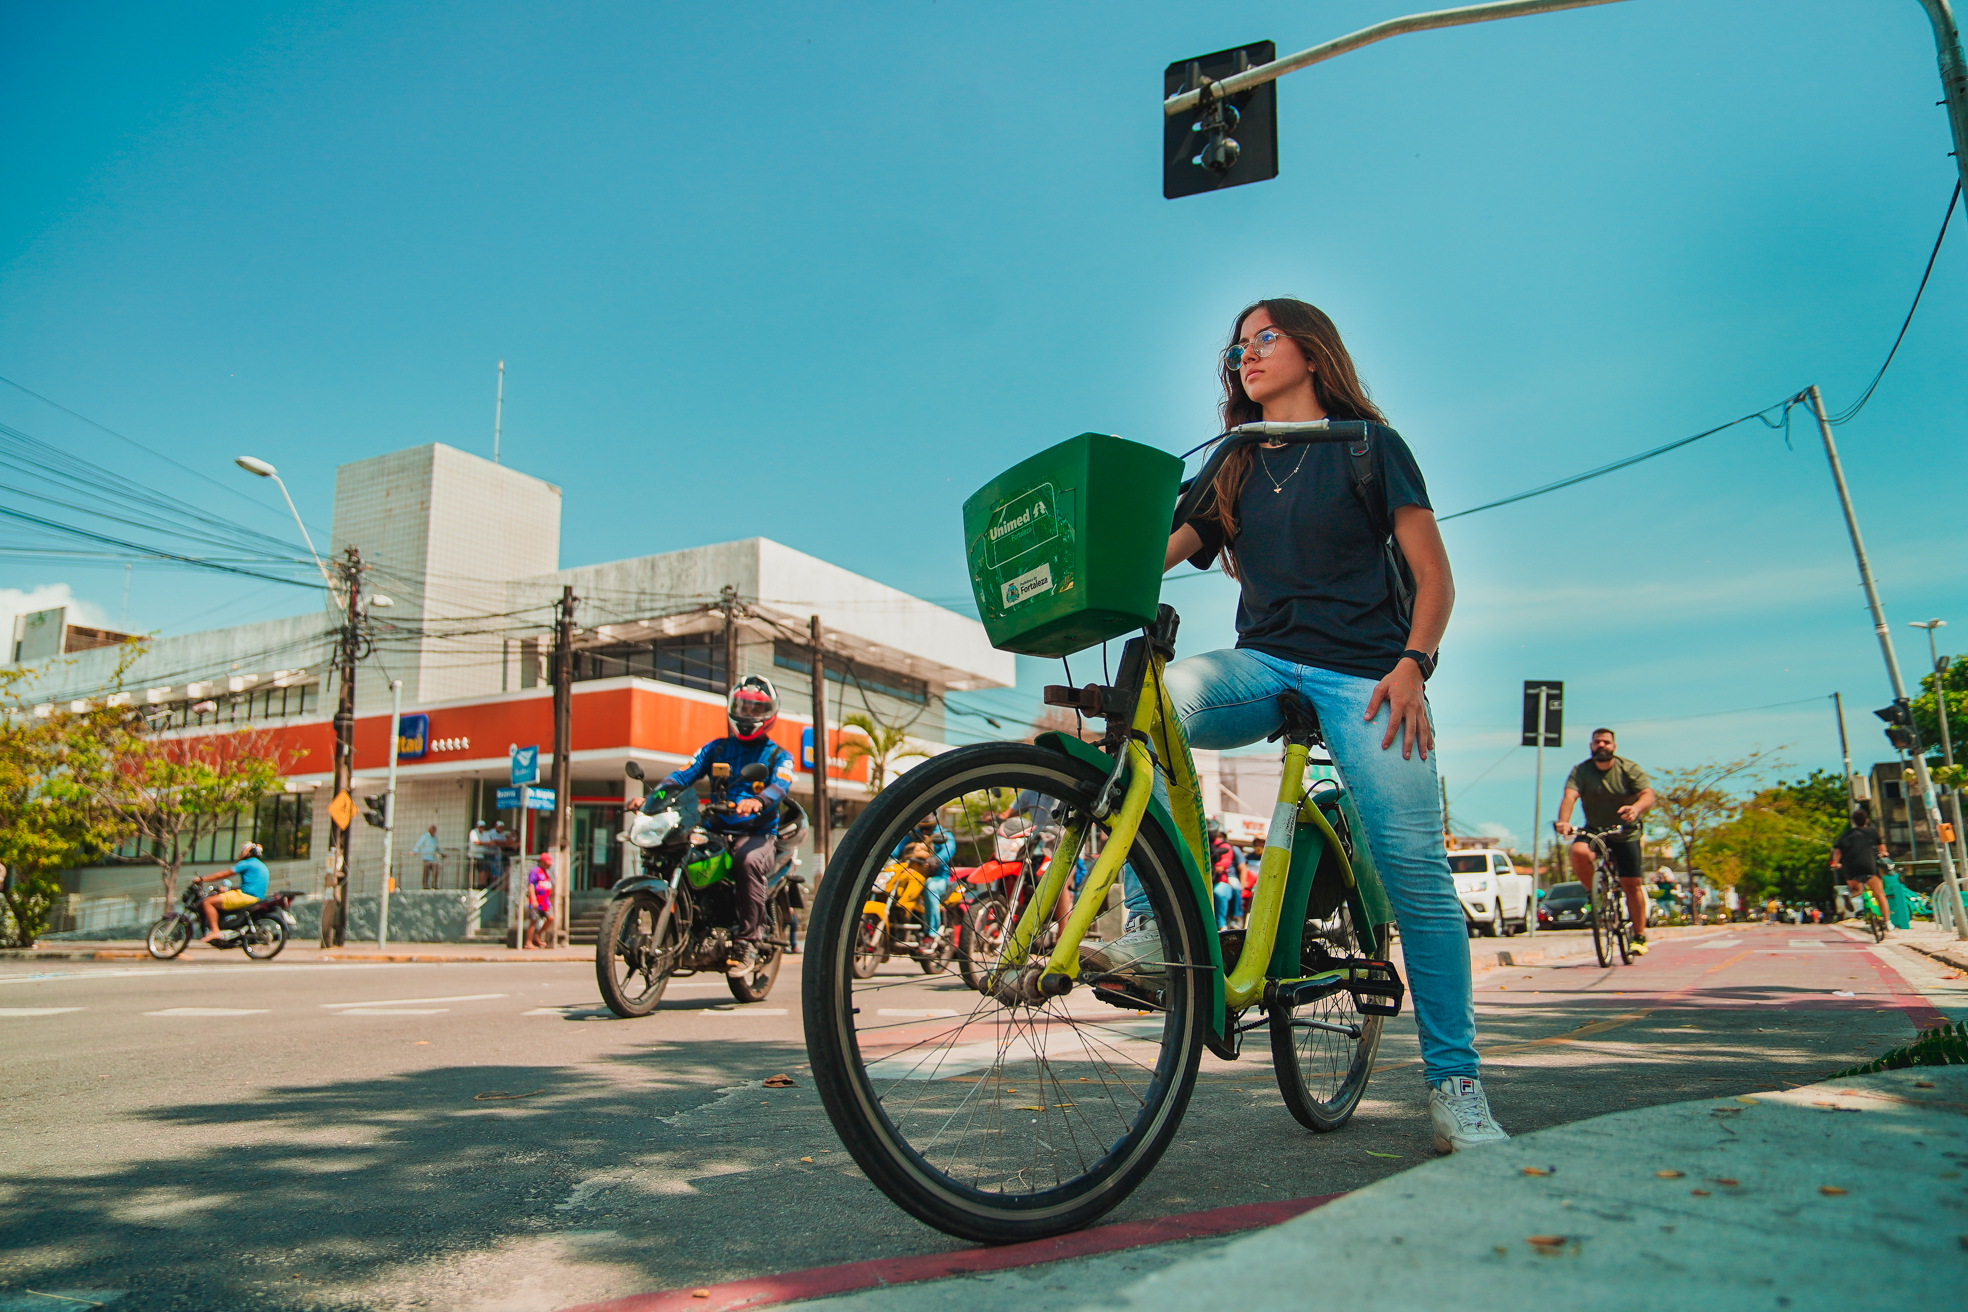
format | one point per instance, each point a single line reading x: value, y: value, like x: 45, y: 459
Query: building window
x: 689, y: 660
x: 797, y: 656
x: 283, y: 824
x: 249, y: 707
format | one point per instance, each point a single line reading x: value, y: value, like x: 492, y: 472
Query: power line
x: 1851, y: 412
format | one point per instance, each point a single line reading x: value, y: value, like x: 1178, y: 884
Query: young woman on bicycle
x: 1318, y: 618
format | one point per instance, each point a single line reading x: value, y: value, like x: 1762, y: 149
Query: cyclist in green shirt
x: 1616, y: 793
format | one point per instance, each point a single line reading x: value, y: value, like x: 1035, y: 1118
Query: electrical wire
x: 1851, y: 411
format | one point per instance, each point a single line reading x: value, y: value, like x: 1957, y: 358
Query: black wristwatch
x: 1421, y: 659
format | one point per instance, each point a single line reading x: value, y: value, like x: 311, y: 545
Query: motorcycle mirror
x: 755, y: 773
x: 632, y: 770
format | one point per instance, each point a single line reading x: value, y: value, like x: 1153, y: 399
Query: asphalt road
x: 214, y: 1134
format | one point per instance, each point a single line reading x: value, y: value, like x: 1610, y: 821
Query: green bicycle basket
x: 1065, y: 549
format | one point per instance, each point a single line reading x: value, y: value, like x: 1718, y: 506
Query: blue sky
x: 868, y: 259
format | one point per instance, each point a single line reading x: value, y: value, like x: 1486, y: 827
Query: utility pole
x: 563, y: 752
x: 341, y: 811
x: 498, y: 410
x: 822, y: 817
x: 728, y: 602
x: 389, y: 813
x: 1844, y: 751
x: 1951, y: 795
x: 1922, y: 779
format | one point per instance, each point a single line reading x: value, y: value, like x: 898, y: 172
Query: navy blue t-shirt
x: 1315, y: 585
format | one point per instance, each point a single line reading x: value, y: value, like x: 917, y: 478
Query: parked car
x: 1566, y: 905
x: 1495, y: 898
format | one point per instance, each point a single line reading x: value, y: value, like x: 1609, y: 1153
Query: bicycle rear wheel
x: 992, y: 1121
x: 1323, y: 1071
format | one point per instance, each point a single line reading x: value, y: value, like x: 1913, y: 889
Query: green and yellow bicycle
x: 1033, y: 1100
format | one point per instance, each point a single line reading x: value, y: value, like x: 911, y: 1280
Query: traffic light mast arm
x: 1366, y: 36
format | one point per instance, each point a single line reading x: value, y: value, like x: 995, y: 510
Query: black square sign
x: 1545, y: 698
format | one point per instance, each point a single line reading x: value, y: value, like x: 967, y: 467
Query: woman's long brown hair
x: 1334, y: 381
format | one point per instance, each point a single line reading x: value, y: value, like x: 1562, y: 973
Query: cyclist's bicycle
x: 1612, y: 926
x: 1875, y: 915
x: 1037, y: 1102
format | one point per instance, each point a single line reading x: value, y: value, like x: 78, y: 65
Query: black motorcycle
x: 260, y: 929
x: 680, y: 915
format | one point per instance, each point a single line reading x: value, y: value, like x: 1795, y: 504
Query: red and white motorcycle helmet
x: 752, y: 708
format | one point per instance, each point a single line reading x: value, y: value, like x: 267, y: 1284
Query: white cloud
x: 14, y: 602
x: 1501, y: 833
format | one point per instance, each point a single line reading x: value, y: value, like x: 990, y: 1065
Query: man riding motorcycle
x: 252, y: 888
x: 752, y: 825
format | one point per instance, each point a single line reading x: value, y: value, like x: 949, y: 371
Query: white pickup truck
x: 1495, y: 898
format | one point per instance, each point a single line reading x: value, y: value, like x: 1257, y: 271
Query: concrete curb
x: 412, y: 953
x: 1630, y: 1210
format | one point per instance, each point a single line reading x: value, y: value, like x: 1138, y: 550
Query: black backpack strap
x: 1372, y: 492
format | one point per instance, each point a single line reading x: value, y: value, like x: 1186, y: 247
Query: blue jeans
x: 1230, y: 699
x: 1227, y: 895
x: 935, y: 889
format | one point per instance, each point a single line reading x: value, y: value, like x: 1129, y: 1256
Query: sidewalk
x: 1940, y: 944
x: 423, y: 953
x: 1832, y: 1196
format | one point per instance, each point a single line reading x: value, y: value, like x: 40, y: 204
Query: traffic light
x: 375, y: 810
x: 1222, y: 143
x: 1899, y: 726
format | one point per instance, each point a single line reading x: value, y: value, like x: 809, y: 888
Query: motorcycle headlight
x: 650, y: 830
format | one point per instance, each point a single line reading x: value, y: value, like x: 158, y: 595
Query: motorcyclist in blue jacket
x: 752, y: 826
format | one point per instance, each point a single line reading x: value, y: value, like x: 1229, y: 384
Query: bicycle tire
x: 1622, y: 925
x: 625, y: 927
x: 1323, y: 1075
x: 1877, y: 924
x: 1602, y: 945
x: 908, y: 1105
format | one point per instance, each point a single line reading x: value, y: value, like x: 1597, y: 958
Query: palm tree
x: 882, y: 744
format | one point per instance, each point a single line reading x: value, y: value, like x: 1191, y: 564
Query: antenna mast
x: 498, y: 409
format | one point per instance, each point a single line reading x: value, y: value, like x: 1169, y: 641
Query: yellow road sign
x: 341, y: 810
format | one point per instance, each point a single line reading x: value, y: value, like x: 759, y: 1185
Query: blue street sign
x: 525, y: 764
x: 806, y: 748
x: 534, y: 799
x: 413, y: 737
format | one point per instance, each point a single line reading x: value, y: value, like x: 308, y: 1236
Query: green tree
x: 169, y: 794
x: 1692, y: 804
x: 1781, y: 839
x: 48, y: 820
x: 1926, y: 710
x: 881, y: 744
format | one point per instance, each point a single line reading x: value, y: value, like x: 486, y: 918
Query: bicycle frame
x: 1299, y: 840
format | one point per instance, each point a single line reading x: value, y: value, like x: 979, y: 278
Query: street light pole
x: 262, y: 469
x: 1950, y: 794
x: 1922, y: 779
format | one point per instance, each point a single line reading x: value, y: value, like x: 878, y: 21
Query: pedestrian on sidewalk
x: 483, y: 848
x: 540, y: 902
x: 427, y: 851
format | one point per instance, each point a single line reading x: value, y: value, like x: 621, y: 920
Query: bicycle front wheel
x: 1323, y: 1051
x: 989, y: 1120
x: 1602, y: 925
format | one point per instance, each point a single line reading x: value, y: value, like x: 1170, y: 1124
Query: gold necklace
x: 1276, y: 485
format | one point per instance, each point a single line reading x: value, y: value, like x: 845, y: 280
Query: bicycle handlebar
x: 1243, y: 435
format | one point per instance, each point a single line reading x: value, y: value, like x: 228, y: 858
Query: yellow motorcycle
x: 892, y: 922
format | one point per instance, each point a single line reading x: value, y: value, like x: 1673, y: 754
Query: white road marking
x: 35, y: 1011
x: 747, y: 1009
x: 391, y: 1011
x: 209, y: 1011
x: 1811, y: 943
x: 180, y: 971
x: 1715, y: 943
x: 411, y: 1002
x: 917, y: 1013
